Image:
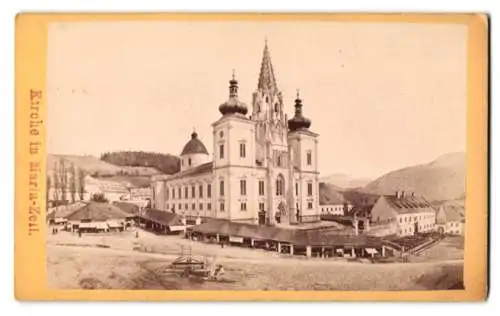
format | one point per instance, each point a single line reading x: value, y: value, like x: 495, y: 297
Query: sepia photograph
x: 286, y: 155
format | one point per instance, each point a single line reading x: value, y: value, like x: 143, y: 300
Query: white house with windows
x: 264, y: 167
x: 335, y: 209
x: 403, y: 215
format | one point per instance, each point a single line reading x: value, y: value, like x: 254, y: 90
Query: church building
x: 264, y: 168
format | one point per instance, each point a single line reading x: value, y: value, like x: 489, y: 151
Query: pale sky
x: 382, y: 96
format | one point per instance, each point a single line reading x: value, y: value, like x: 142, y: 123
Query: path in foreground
x: 93, y: 268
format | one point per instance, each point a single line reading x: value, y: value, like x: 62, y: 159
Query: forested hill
x: 165, y: 163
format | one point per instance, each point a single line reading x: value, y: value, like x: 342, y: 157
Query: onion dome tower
x: 233, y: 105
x: 298, y: 122
x: 194, y: 153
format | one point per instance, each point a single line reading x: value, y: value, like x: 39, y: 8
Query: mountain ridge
x: 440, y: 179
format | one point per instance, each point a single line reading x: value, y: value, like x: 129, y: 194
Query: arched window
x: 276, y: 108
x: 280, y: 185
x: 189, y: 161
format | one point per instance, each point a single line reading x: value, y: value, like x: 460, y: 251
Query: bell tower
x: 271, y: 143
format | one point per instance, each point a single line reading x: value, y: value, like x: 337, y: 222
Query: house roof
x: 454, y: 212
x: 129, y: 208
x: 408, y: 204
x: 65, y: 210
x: 201, y: 169
x: 162, y: 217
x: 98, y: 212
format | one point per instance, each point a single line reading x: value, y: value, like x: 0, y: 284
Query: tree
x: 56, y: 185
x: 99, y: 197
x: 63, y: 180
x: 81, y: 184
x: 47, y: 192
x: 72, y: 183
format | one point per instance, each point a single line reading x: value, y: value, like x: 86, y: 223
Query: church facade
x: 264, y: 168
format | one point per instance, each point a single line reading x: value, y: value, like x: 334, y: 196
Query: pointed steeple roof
x: 266, y: 76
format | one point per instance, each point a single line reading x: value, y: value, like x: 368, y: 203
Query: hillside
x: 441, y: 179
x: 345, y: 181
x: 89, y: 164
x: 132, y: 160
x: 331, y: 194
x: 126, y: 175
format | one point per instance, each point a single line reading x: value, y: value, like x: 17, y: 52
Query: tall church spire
x: 266, y: 76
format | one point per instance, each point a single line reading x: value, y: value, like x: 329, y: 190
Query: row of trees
x: 163, y: 162
x: 66, y: 180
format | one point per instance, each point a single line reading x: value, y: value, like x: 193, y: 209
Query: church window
x: 242, y: 150
x: 186, y: 190
x: 179, y: 191
x: 309, y: 205
x: 310, y: 189
x: 222, y: 206
x: 173, y: 193
x: 209, y: 190
x: 309, y: 158
x: 276, y: 108
x: 221, y: 151
x: 193, y: 191
x: 243, y: 206
x: 193, y: 206
x: 296, y: 188
x: 279, y: 161
x: 189, y: 161
x: 167, y: 191
x: 186, y: 206
x: 209, y: 206
x: 221, y: 134
x: 280, y: 185
x: 201, y: 206
x: 243, y: 187
x: 201, y: 190
x: 221, y: 188
x: 267, y: 99
x: 261, y: 187
x: 180, y: 206
x: 261, y: 206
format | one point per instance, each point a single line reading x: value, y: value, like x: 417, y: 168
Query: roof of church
x: 298, y: 122
x: 267, y: 80
x: 194, y: 146
x: 233, y: 105
x: 194, y: 171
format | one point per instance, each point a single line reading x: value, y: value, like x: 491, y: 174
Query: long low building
x: 307, y: 242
